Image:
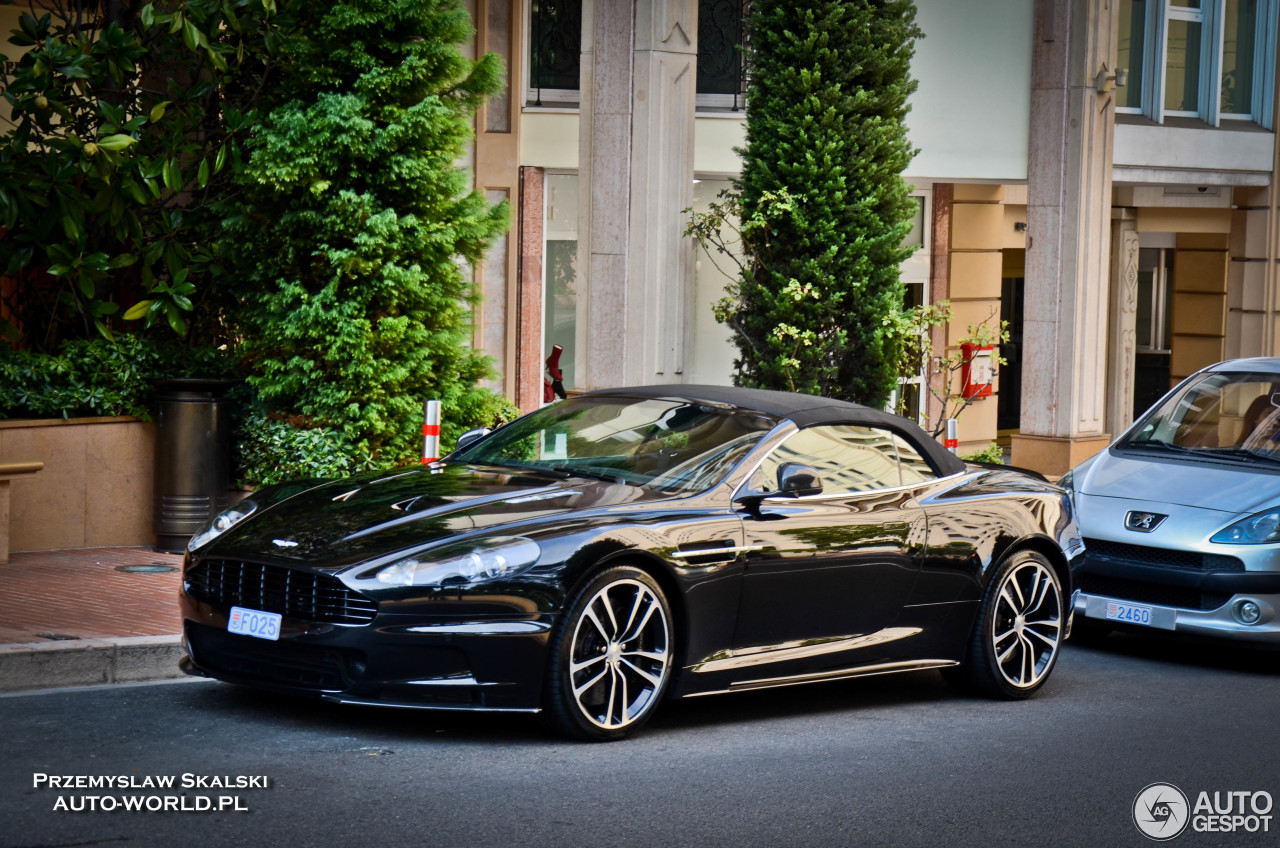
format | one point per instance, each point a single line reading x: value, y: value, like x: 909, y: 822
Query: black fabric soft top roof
x: 804, y: 410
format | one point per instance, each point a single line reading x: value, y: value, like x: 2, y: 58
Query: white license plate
x: 1128, y: 613
x: 252, y: 622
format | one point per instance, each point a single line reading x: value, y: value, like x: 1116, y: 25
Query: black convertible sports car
x: 621, y: 547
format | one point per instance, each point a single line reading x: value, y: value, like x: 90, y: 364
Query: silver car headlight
x: 1259, y: 529
x: 223, y: 522
x: 500, y: 557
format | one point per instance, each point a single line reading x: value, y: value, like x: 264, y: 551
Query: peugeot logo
x: 1143, y: 522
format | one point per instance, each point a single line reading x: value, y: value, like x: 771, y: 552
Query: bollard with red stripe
x: 430, y: 431
x: 952, y: 442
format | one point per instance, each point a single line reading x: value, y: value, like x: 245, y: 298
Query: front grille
x: 279, y: 663
x: 1143, y: 555
x: 1152, y: 593
x: 272, y: 588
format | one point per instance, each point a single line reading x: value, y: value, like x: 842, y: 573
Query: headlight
x: 1255, y: 530
x: 224, y: 521
x: 495, y: 558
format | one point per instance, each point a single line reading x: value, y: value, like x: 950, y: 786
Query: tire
x: 1018, y: 635
x: 611, y: 657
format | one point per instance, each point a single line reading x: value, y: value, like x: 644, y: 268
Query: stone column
x: 1064, y: 374
x: 635, y: 270
x: 1123, y: 348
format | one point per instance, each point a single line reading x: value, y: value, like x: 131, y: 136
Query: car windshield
x: 1228, y: 415
x: 677, y: 446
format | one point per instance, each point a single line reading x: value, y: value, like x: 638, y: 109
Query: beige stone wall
x: 95, y: 489
x: 981, y: 226
x: 1199, y: 303
x: 1250, y: 311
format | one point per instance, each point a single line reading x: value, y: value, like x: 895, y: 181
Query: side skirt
x: 840, y: 674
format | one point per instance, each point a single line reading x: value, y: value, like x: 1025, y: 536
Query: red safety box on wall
x: 977, y: 372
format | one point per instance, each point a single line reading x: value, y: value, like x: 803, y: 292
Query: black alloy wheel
x: 610, y: 658
x: 1018, y: 634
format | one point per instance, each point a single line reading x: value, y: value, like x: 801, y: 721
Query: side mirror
x: 796, y: 481
x: 471, y: 436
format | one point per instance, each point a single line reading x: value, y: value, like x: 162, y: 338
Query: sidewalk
x: 74, y: 618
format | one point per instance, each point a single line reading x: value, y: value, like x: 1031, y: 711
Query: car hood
x: 351, y: 521
x: 1222, y: 487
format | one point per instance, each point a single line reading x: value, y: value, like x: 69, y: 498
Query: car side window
x: 915, y: 468
x: 849, y: 459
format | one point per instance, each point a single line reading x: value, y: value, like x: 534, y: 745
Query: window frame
x: 562, y: 99
x: 894, y: 437
x: 1211, y: 15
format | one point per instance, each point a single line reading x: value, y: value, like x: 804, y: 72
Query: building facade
x: 1099, y: 173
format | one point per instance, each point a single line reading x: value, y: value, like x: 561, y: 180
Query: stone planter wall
x: 95, y: 489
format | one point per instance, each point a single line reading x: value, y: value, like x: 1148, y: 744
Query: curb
x: 89, y: 662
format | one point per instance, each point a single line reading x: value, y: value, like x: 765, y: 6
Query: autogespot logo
x: 1160, y: 811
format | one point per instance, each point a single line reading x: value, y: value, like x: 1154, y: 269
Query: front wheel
x: 1019, y: 630
x: 610, y: 658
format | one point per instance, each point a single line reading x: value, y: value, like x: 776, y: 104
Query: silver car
x: 1181, y: 514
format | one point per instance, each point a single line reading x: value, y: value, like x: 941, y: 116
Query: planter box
x: 95, y: 489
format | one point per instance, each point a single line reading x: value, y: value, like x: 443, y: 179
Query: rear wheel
x: 610, y: 658
x: 1018, y: 633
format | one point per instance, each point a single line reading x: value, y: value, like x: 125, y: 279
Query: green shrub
x: 271, y: 451
x: 353, y: 222
x: 991, y: 453
x: 96, y: 377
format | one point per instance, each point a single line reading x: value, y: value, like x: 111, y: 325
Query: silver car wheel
x: 1026, y: 628
x: 619, y: 656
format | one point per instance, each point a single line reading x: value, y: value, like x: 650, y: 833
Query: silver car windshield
x: 672, y: 445
x: 1221, y: 415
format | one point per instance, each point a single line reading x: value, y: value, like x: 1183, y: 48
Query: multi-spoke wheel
x: 1020, y: 626
x: 611, y: 657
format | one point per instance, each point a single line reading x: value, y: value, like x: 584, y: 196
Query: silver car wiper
x: 1237, y: 452
x: 1157, y: 444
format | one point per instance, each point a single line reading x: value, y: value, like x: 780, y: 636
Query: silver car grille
x: 1163, y: 557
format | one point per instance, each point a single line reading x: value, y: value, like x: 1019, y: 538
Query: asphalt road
x: 897, y: 760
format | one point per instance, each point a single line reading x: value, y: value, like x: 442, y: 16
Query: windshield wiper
x: 1237, y: 452
x: 1157, y: 444
x: 580, y: 471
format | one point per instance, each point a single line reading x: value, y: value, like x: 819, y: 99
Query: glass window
x: 555, y: 46
x: 1238, y: 44
x: 668, y: 444
x: 1206, y: 59
x: 560, y: 270
x: 1132, y: 22
x: 555, y: 52
x: 915, y: 236
x: 914, y: 467
x: 720, y: 47
x: 848, y: 459
x: 1231, y: 415
x: 1182, y: 68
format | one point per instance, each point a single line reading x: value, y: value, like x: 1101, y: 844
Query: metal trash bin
x: 193, y: 458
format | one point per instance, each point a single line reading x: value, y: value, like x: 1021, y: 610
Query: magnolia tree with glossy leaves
x: 126, y: 124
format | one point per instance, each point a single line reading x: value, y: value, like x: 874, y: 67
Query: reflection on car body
x: 1181, y: 513
x: 607, y: 552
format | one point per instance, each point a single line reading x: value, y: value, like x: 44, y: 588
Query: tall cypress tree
x: 824, y: 208
x: 355, y: 221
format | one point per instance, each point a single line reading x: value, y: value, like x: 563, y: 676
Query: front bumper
x: 1220, y: 623
x: 395, y: 660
